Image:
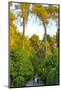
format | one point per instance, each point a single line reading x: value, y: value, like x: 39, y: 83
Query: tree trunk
x: 23, y: 27
x: 45, y: 39
x: 23, y: 31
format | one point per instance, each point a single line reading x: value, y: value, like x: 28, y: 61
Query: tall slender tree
x: 44, y: 14
x: 24, y: 7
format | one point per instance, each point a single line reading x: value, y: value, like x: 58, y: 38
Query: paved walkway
x: 32, y: 83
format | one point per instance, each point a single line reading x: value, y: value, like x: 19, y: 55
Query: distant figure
x: 35, y: 80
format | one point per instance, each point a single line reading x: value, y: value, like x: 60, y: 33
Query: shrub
x: 19, y: 81
x: 54, y: 57
x: 52, y: 78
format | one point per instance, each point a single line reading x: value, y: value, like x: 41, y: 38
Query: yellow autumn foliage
x: 24, y: 10
x: 41, y: 12
x: 12, y: 36
x: 12, y: 30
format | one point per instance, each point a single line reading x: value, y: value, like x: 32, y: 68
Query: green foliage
x: 35, y: 42
x: 52, y: 78
x: 54, y: 58
x: 57, y: 38
x: 45, y: 65
x: 43, y: 68
x: 52, y: 42
x: 25, y: 63
x: 35, y: 38
x: 19, y: 81
x: 20, y: 66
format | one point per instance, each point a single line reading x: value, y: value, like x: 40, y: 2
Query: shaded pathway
x: 36, y: 82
